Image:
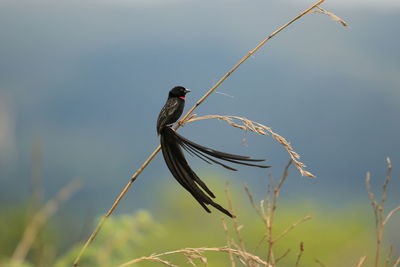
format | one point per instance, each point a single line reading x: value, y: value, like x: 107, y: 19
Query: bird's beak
x: 187, y: 91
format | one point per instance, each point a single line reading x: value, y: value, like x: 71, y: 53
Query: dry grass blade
x: 320, y: 263
x: 282, y: 256
x: 301, y: 251
x: 291, y: 227
x: 195, y: 256
x: 277, y: 189
x: 259, y: 243
x: 263, y: 214
x: 40, y: 218
x: 228, y: 242
x: 243, y: 256
x: 390, y: 214
x: 331, y: 15
x: 361, y: 261
x: 397, y: 262
x: 149, y: 258
x: 248, y: 125
x: 251, y: 199
x: 197, y: 251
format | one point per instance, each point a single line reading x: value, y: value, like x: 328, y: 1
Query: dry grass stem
x: 389, y: 256
x: 301, y: 251
x: 260, y: 243
x: 379, y: 208
x: 150, y: 258
x: 397, y: 262
x: 198, y: 252
x: 263, y: 214
x: 390, y: 214
x: 291, y: 227
x: 271, y: 209
x: 319, y: 262
x: 266, y: 210
x: 361, y: 261
x: 371, y: 196
x: 282, y: 256
x: 237, y: 227
x: 40, y: 218
x: 244, y: 259
x: 204, y: 97
x: 248, y: 125
x: 331, y: 15
x: 385, y: 185
x: 268, y: 214
x: 252, y: 202
x: 228, y: 242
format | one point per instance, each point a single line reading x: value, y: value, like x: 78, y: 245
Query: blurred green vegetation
x: 336, y: 237
x: 13, y: 222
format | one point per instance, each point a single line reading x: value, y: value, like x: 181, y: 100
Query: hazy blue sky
x: 88, y: 78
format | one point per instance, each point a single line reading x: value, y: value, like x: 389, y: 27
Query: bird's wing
x: 167, y: 113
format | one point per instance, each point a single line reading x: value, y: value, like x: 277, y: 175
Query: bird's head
x: 178, y: 91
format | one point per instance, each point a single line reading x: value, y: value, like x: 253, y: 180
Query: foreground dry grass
x: 268, y: 247
x: 266, y: 210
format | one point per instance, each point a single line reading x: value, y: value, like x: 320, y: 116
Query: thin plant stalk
x: 268, y: 213
x: 282, y: 256
x: 301, y: 251
x: 361, y: 261
x: 271, y: 212
x: 237, y: 227
x: 152, y: 155
x: 397, y: 262
x: 39, y: 219
x: 379, y: 208
x: 228, y: 242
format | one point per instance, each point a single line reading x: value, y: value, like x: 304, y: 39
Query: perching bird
x: 172, y: 144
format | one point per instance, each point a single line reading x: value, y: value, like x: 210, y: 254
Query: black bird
x: 172, y: 144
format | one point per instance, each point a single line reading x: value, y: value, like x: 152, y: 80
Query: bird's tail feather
x: 202, y: 150
x: 182, y: 172
x: 171, y: 146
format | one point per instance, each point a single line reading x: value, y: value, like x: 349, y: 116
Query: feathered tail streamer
x: 171, y: 146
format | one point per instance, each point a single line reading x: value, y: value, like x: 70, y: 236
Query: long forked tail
x: 200, y: 151
x: 171, y: 146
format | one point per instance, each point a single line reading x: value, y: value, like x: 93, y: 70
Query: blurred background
x: 82, y: 83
